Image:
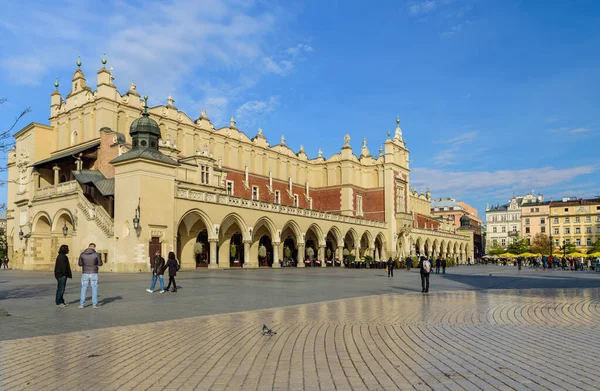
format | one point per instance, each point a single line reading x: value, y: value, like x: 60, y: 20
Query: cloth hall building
x: 107, y: 169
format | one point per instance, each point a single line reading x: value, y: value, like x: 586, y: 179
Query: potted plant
x: 233, y: 252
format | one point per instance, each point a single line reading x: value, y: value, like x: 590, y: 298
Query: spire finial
x: 146, y: 105
x: 78, y: 62
x: 398, y: 120
x: 103, y: 59
x: 56, y: 83
x: 381, y: 150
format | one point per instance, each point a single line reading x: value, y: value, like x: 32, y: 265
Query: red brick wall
x: 373, y: 203
x: 106, y: 153
x: 421, y: 220
x: 327, y: 200
x: 263, y: 193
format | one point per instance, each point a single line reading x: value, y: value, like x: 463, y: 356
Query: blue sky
x: 495, y: 97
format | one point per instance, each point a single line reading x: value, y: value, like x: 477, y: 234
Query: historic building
x: 107, y: 169
x: 575, y: 221
x: 535, y: 218
x: 454, y: 210
x: 504, y: 221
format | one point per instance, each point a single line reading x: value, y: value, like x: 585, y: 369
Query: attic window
x: 143, y: 143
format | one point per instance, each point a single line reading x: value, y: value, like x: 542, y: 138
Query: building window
x: 296, y: 200
x: 514, y: 228
x: 567, y: 241
x: 543, y: 220
x: 555, y: 231
x: 566, y: 209
x: 588, y: 219
x: 578, y: 242
x: 503, y: 229
x: 543, y: 229
x: 494, y: 242
x: 567, y: 220
x: 577, y: 219
x: 255, y: 193
x: 588, y: 230
x: 359, y: 210
x: 598, y: 230
x: 526, y: 230
x: 577, y: 230
x: 598, y: 218
x: 503, y: 242
x: 531, y: 210
x: 204, y: 175
x: 229, y: 188
x: 277, y: 197
x: 494, y: 229
x: 556, y: 220
x: 567, y: 230
x: 588, y: 242
x: 527, y: 221
x: 537, y: 209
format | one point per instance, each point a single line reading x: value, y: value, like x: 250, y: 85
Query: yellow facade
x: 223, y: 187
x: 576, y: 222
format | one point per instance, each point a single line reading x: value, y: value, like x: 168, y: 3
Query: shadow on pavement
x: 490, y: 281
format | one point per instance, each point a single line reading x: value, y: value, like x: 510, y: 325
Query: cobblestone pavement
x: 522, y: 339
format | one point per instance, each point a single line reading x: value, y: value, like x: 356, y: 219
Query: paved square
x: 472, y: 331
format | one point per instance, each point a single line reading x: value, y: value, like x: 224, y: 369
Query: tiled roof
x: 146, y: 153
x: 68, y: 153
x: 95, y: 177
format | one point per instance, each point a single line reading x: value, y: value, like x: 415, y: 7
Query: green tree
x: 567, y: 248
x: 496, y: 249
x: 518, y: 246
x: 540, y: 244
x: 595, y: 248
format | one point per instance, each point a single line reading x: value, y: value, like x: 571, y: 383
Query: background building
x: 535, y: 218
x: 576, y: 222
x: 135, y: 180
x: 504, y: 221
x: 453, y: 210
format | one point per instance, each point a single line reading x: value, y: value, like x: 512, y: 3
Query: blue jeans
x: 161, y: 280
x: 86, y: 280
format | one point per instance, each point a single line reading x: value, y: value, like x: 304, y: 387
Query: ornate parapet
x: 62, y: 189
x: 184, y: 192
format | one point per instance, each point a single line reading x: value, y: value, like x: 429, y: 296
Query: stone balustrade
x: 58, y: 190
x: 203, y: 196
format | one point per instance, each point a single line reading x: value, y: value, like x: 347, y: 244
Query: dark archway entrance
x: 265, y: 252
x: 202, y: 249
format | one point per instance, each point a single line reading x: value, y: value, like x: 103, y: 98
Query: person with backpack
x: 172, y: 265
x: 390, y: 267
x: 425, y: 268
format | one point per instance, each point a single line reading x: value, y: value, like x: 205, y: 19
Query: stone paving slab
x: 29, y: 296
x: 541, y: 339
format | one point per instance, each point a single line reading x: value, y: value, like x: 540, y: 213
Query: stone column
x: 321, y: 256
x: 276, y: 255
x: 247, y: 261
x: 56, y: 175
x: 340, y: 254
x: 300, y: 257
x: 213, y: 254
x: 36, y: 183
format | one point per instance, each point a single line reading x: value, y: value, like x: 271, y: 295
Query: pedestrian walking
x: 89, y: 260
x: 158, y: 271
x: 390, y: 267
x: 5, y: 262
x: 425, y: 269
x: 62, y: 271
x: 519, y: 262
x: 409, y: 263
x: 444, y: 266
x: 438, y: 264
x: 172, y: 265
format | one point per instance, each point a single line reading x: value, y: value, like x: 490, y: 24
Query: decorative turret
x: 78, y: 82
x: 282, y: 140
x: 346, y: 142
x: 398, y: 134
x: 364, y: 150
x: 232, y: 123
x: 132, y: 90
x: 260, y: 134
x: 144, y: 131
x: 55, y: 99
x: 465, y: 221
x: 428, y: 194
x: 170, y: 102
x: 104, y: 75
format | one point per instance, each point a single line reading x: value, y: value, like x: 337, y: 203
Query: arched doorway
x: 311, y: 252
x: 290, y: 236
x: 202, y: 249
x: 62, y: 233
x: 265, y: 252
x: 232, y: 250
x: 193, y: 240
x: 380, y: 253
x: 40, y: 252
x: 418, y: 246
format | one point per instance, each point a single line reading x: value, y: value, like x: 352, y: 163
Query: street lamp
x: 20, y: 233
x: 136, y: 219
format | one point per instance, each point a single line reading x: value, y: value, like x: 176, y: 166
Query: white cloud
x: 579, y: 130
x: 422, y: 7
x: 566, y: 129
x: 460, y: 139
x: 252, y: 110
x: 282, y: 68
x: 299, y: 49
x: 454, y: 29
x: 449, y: 156
x: 471, y: 182
x: 550, y: 119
